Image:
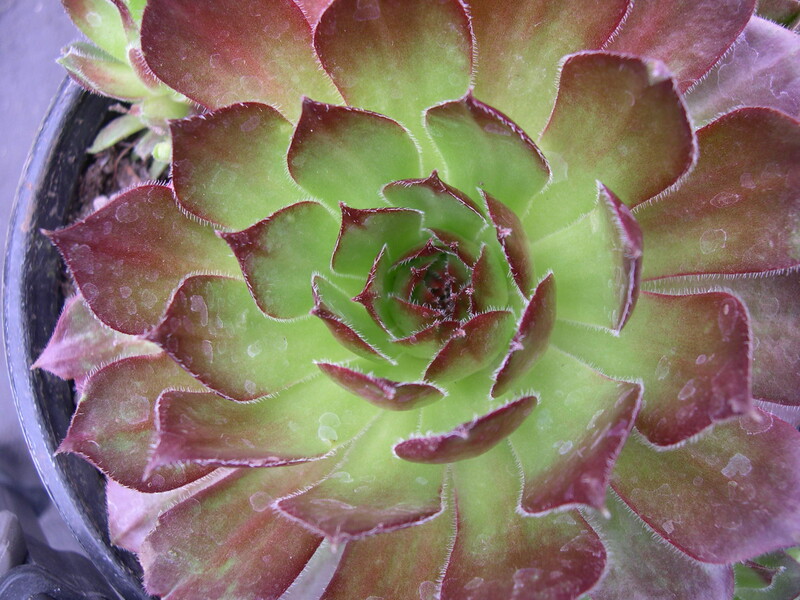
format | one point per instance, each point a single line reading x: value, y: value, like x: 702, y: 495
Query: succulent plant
x: 111, y: 64
x: 486, y: 300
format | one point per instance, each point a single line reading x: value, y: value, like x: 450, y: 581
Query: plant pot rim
x: 56, y: 161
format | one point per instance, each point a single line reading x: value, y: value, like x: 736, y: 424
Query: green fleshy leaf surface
x: 690, y: 352
x: 483, y: 149
x: 303, y: 422
x: 596, y: 262
x: 229, y: 166
x: 205, y: 546
x: 371, y: 491
x: 101, y: 73
x: 116, y: 131
x: 568, y: 446
x: 520, y: 45
x: 114, y: 425
x: 100, y: 21
x: 421, y: 49
x: 343, y: 154
x: 280, y: 254
x: 215, y: 330
x: 497, y: 551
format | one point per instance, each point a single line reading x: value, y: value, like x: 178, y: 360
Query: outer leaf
x: 80, y: 344
x: 313, y: 9
x: 214, y: 329
x: 691, y: 352
x: 343, y: 154
x: 468, y: 440
x: 761, y: 69
x: 773, y: 303
x: 645, y: 567
x: 301, y: 423
x: 531, y: 338
x: 568, y: 446
x: 636, y: 136
x: 114, y: 426
x: 738, y: 211
x: 422, y: 48
x: 688, y: 35
x: 521, y: 43
x: 739, y: 489
x: 229, y: 166
x: 483, y: 148
x: 129, y: 256
x: 402, y: 566
x: 500, y: 554
x: 265, y: 54
x: 279, y: 255
x: 372, y: 491
x: 597, y: 263
x: 205, y: 548
x: 785, y: 12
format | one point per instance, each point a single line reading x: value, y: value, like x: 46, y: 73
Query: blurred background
x: 32, y: 33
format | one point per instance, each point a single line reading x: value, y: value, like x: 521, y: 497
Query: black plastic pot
x: 32, y: 300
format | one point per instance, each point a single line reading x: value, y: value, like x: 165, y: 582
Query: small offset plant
x: 495, y: 300
x: 112, y: 65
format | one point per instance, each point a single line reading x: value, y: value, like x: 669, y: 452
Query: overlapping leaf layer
x: 461, y: 285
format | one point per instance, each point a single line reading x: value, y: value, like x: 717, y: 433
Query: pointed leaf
x: 313, y: 9
x: 531, y: 338
x: 761, y: 69
x: 371, y: 491
x: 279, y: 255
x: 409, y: 562
x: 80, y: 344
x: 115, y: 131
x: 204, y: 547
x: 644, y: 566
x: 636, y: 137
x: 382, y: 392
x: 737, y: 212
x: 483, y: 148
x: 301, y: 423
x: 468, y: 440
x: 501, y: 554
x: 521, y: 43
x: 691, y: 353
x: 229, y: 165
x: 365, y: 232
x: 443, y: 207
x: 422, y: 48
x: 102, y: 22
x: 474, y: 345
x: 234, y: 51
x: 490, y: 281
x: 739, y: 487
x: 114, y: 425
x: 568, y: 446
x: 343, y: 154
x: 688, y: 35
x: 215, y: 330
x: 427, y: 342
x: 101, y: 73
x: 348, y: 321
x: 511, y: 235
x: 602, y: 291
x: 129, y: 256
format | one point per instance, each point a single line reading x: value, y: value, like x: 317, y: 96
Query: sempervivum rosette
x: 499, y: 297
